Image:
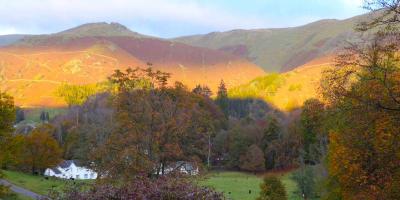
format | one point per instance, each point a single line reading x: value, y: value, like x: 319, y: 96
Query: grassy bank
x: 37, y: 184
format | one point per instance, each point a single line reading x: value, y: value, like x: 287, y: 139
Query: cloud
x: 32, y: 13
x: 167, y: 18
x: 353, y: 3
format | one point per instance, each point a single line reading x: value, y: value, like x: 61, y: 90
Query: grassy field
x: 236, y: 185
x: 36, y: 184
x: 16, y: 197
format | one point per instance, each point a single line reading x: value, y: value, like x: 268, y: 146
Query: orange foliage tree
x: 364, y: 97
x: 40, y: 151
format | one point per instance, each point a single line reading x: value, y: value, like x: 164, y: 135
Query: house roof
x: 67, y: 163
x: 186, y: 165
x: 55, y: 170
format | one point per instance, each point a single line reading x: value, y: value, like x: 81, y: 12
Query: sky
x: 169, y: 18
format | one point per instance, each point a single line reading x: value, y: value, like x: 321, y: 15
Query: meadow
x: 35, y: 183
x: 245, y: 186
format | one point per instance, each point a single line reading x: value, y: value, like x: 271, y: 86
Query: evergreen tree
x: 47, y: 117
x: 20, y: 115
x: 42, y: 116
x: 222, y: 98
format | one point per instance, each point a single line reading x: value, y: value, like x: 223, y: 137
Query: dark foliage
x: 140, y: 188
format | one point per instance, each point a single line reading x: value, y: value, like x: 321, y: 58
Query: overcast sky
x: 169, y: 18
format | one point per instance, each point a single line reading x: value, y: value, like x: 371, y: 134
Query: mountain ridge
x: 282, y: 49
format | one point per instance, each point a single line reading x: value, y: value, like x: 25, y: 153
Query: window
x: 86, y: 176
x: 92, y: 175
x: 77, y: 176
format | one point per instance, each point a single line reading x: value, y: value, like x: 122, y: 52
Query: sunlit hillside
x: 286, y: 91
x: 32, y: 68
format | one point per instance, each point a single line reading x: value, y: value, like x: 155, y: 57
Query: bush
x: 272, y: 189
x: 142, y: 187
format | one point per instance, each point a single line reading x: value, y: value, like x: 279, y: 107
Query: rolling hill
x: 282, y: 49
x: 33, y: 67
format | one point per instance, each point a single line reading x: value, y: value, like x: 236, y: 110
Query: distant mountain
x: 282, y: 49
x: 10, y: 39
x: 34, y: 66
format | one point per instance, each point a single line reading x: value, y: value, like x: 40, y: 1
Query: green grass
x: 234, y: 185
x: 239, y: 184
x: 292, y: 190
x: 15, y: 196
x: 37, y: 184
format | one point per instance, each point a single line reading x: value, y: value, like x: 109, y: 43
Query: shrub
x: 141, y: 187
x: 272, y: 189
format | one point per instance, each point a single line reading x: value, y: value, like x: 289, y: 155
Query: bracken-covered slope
x: 283, y: 49
x: 286, y: 91
x: 35, y: 66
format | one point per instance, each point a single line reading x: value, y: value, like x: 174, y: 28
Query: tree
x: 40, y: 150
x: 387, y: 13
x: 156, y: 125
x: 253, y: 160
x: 7, y: 119
x: 272, y: 136
x: 314, y: 139
x: 363, y: 91
x: 75, y: 95
x: 222, y: 98
x: 202, y: 90
x: 305, y: 180
x: 20, y: 115
x: 272, y: 189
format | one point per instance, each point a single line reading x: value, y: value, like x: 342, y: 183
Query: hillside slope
x: 283, y: 49
x: 35, y: 66
x: 288, y: 90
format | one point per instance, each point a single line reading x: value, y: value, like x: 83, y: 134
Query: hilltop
x: 34, y: 66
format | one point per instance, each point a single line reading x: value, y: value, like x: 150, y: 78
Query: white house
x: 70, y: 169
x: 182, y: 167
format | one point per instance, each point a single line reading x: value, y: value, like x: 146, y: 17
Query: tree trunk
x: 209, y: 151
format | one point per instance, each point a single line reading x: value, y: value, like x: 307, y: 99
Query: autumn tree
x: 253, y: 160
x: 156, y: 125
x: 40, y: 150
x: 76, y: 95
x: 272, y: 189
x: 7, y: 119
x: 363, y: 91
